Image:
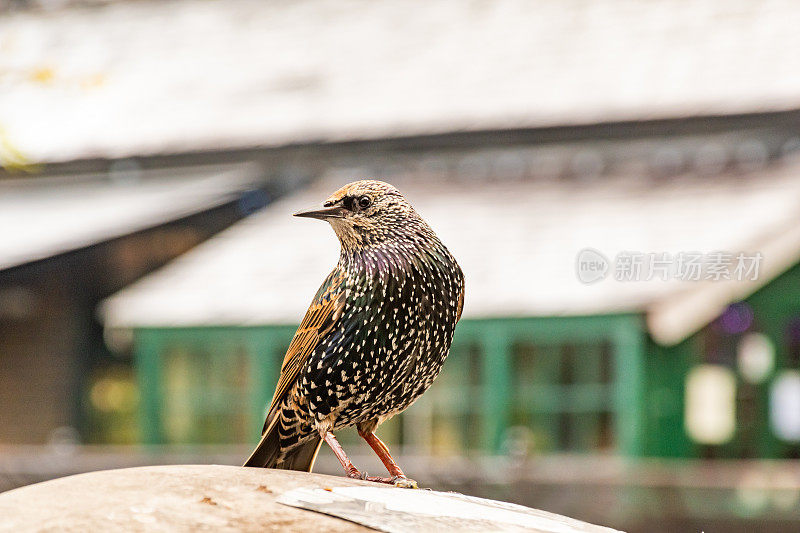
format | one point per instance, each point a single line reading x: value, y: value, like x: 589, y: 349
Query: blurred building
x: 580, y: 367
x: 643, y: 111
x: 68, y: 242
x: 527, y: 133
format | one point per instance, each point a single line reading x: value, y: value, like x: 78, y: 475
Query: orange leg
x: 383, y: 453
x: 398, y: 478
x: 349, y: 469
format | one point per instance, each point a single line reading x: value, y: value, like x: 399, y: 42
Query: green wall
x: 181, y: 373
x: 550, y: 375
x: 774, y: 307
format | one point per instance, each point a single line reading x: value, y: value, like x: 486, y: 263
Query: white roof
x: 135, y: 78
x: 516, y: 242
x: 42, y: 217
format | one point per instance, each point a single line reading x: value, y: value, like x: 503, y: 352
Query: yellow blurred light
x: 42, y: 75
x: 710, y: 415
x: 108, y: 394
x: 755, y: 357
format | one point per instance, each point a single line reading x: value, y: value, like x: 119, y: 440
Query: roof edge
x: 577, y: 131
x: 674, y: 319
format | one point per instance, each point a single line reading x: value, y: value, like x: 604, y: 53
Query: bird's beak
x: 322, y: 213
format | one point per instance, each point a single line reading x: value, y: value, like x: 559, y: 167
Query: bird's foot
x: 398, y: 481
x: 404, y: 483
x: 354, y: 473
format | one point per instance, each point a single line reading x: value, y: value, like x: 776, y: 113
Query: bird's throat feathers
x: 408, y: 248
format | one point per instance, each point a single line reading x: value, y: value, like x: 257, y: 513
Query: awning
x: 42, y: 217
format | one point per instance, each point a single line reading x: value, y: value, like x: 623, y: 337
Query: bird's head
x: 365, y: 212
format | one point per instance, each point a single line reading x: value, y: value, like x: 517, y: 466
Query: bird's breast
x: 390, y: 341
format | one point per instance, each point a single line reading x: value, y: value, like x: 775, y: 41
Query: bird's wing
x: 320, y: 318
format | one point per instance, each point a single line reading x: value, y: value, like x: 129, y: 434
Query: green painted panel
x: 588, y: 395
x: 547, y: 330
x: 629, y: 345
x: 496, y: 386
x: 148, y: 373
x: 667, y: 367
x: 264, y: 367
x: 539, y: 396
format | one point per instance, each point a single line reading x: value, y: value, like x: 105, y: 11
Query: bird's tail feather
x: 303, y: 457
x: 268, y: 452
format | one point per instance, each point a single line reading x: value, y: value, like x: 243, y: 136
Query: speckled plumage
x: 377, y: 332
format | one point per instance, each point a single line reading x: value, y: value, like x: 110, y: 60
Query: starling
x: 374, y: 338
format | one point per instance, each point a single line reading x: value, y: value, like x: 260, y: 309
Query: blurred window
x: 563, y: 395
x: 447, y: 419
x: 205, y: 394
x: 561, y: 401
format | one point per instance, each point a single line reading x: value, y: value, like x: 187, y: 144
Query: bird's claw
x: 404, y: 482
x: 354, y: 473
x: 398, y: 481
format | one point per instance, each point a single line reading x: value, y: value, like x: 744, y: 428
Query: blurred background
x: 151, y: 275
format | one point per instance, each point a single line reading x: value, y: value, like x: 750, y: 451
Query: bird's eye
x: 364, y: 202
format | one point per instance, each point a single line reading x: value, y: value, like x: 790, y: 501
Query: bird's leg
x: 398, y: 478
x: 383, y: 453
x: 350, y: 470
